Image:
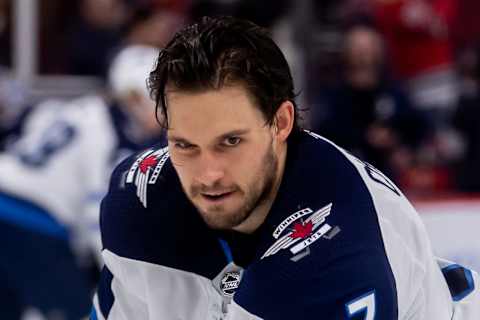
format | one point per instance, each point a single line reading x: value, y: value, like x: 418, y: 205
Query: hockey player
x: 316, y: 232
x: 51, y: 183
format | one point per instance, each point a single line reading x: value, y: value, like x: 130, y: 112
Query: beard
x: 253, y: 195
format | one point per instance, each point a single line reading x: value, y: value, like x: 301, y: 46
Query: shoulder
x: 145, y: 216
x: 325, y: 185
x: 326, y: 204
x: 324, y: 247
x: 319, y: 171
x: 336, y: 170
x: 360, y: 200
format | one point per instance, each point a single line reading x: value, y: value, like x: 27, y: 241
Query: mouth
x: 216, y: 196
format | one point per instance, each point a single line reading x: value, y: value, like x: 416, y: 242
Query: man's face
x: 142, y: 110
x: 223, y: 152
x: 363, y: 48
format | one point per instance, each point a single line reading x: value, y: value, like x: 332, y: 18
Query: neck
x: 260, y: 213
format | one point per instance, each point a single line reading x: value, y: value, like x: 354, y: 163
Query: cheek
x: 246, y: 167
x: 179, y: 161
x: 184, y: 171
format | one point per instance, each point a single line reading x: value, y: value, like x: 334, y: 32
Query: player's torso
x: 332, y: 208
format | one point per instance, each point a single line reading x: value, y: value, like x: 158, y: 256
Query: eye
x: 232, y: 141
x: 183, y: 145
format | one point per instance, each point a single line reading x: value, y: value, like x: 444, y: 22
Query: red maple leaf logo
x: 147, y: 163
x: 302, y: 230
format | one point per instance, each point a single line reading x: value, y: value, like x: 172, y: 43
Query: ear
x: 284, y: 120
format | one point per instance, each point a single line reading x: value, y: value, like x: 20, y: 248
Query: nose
x: 210, y: 170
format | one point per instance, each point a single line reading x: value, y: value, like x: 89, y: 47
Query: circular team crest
x: 230, y: 282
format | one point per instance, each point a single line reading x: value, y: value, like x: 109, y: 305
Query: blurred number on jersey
x: 56, y: 137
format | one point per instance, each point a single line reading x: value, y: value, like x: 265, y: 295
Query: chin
x: 221, y: 220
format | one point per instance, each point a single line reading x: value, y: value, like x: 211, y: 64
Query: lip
x: 217, y: 197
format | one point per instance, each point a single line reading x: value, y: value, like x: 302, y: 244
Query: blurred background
x: 396, y: 82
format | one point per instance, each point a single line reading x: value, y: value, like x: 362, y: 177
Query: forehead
x: 212, y: 111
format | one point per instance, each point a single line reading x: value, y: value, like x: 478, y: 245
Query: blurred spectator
x: 152, y: 26
x: 417, y: 33
x: 366, y: 113
x: 52, y: 180
x: 105, y: 25
x: 94, y: 34
x: 323, y: 35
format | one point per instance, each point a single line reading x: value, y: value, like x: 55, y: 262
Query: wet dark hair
x: 224, y: 51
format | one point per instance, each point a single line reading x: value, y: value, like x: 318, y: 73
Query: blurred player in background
x: 318, y: 232
x: 51, y: 182
x: 107, y: 24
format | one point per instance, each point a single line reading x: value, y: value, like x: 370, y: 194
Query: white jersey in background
x: 62, y: 163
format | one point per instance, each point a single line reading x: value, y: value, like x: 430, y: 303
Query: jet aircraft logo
x: 308, y: 227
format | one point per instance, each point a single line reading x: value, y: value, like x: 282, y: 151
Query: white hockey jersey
x: 340, y: 242
x: 62, y: 163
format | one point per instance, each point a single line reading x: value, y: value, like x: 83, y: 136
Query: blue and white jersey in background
x: 340, y: 242
x: 53, y: 178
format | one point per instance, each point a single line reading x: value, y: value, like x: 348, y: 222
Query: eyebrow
x: 238, y: 132
x: 226, y: 135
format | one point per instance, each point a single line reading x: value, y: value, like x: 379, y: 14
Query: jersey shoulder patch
x: 145, y: 171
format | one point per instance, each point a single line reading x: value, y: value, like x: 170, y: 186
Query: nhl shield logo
x: 230, y: 283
